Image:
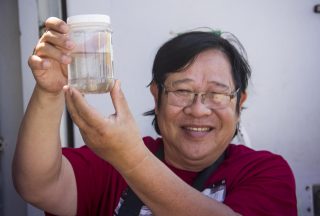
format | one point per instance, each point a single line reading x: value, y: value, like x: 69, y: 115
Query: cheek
x: 228, y: 119
x: 168, y: 117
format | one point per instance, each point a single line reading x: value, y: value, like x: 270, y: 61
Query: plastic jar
x: 91, y: 69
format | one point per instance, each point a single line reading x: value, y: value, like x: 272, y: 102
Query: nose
x: 198, y: 108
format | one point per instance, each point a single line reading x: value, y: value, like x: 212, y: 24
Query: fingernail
x: 65, y: 88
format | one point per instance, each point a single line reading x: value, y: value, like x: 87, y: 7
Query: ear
x: 243, y: 98
x: 154, y: 91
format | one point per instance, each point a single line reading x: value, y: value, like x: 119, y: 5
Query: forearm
x: 166, y: 194
x: 38, y: 158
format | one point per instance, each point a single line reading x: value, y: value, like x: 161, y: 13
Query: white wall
x: 283, y: 46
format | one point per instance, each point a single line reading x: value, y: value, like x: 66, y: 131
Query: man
x: 199, y: 87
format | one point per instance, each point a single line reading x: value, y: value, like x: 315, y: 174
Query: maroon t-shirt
x: 252, y: 183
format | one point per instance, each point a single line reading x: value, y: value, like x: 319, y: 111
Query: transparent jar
x: 91, y: 69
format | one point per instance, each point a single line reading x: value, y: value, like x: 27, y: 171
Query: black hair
x: 178, y: 53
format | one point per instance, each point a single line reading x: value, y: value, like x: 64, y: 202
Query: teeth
x: 202, y: 129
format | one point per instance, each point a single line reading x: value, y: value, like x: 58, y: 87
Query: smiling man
x: 197, y: 117
x: 199, y: 87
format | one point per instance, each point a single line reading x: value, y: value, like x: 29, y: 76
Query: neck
x: 189, y: 164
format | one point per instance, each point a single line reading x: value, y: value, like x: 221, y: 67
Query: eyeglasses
x: 213, y: 100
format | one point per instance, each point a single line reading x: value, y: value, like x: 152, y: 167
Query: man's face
x: 194, y: 136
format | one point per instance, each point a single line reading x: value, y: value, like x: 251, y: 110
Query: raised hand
x: 51, y: 56
x: 115, y: 138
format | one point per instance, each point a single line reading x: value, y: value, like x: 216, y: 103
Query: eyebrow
x: 187, y: 80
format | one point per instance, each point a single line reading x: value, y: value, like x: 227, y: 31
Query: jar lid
x: 89, y: 18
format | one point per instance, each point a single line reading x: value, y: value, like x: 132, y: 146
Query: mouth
x: 197, y: 131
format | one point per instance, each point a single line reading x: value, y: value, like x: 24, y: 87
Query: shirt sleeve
x: 266, y: 189
x: 99, y: 185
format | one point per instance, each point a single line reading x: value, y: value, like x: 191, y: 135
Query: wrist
x: 128, y: 160
x: 136, y: 165
x: 40, y: 92
x: 47, y: 99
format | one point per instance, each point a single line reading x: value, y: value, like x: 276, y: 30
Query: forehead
x: 210, y: 68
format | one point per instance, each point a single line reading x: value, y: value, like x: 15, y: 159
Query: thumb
x: 118, y: 99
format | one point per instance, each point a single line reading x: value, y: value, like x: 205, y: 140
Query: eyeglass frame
x: 203, y: 96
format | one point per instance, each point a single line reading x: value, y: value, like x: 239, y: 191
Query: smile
x: 198, y: 129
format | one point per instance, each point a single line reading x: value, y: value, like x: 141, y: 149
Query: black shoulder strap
x: 132, y: 204
x: 200, y: 181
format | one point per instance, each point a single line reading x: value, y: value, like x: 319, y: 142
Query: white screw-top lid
x: 89, y: 18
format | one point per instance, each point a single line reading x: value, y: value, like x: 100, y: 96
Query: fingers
x: 49, y: 51
x: 88, y: 118
x: 57, y: 39
x: 56, y: 34
x: 119, y: 101
x: 37, y: 63
x: 57, y: 25
x: 72, y: 109
x: 55, y: 42
x: 82, y: 114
